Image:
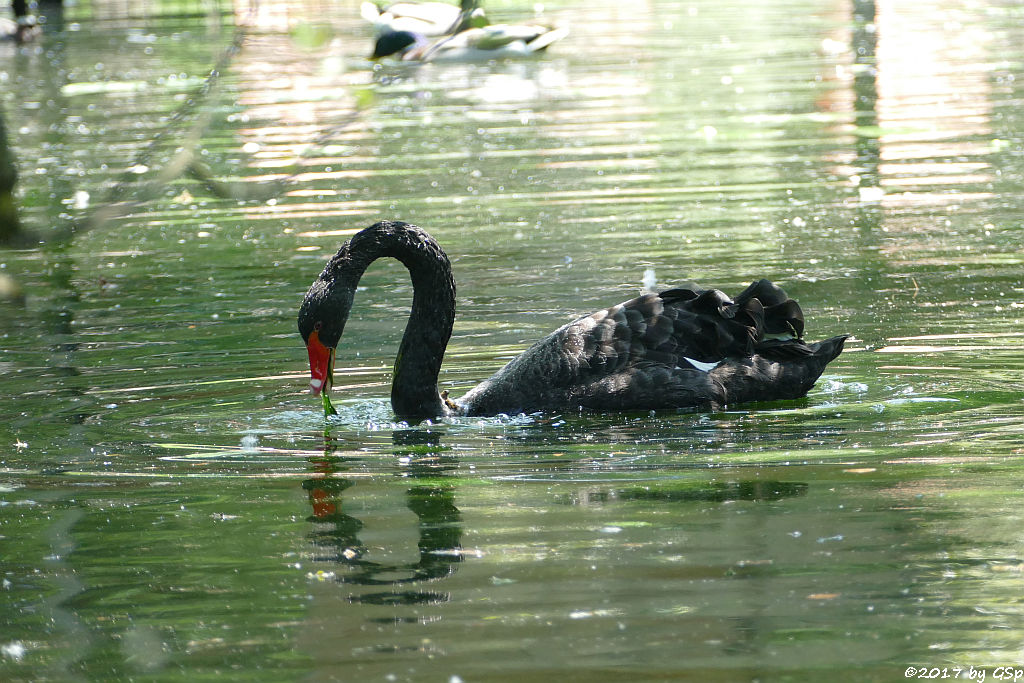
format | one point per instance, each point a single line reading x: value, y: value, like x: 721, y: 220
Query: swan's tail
x: 785, y: 370
x: 828, y: 350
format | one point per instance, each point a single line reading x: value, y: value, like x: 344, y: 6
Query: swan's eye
x: 318, y: 325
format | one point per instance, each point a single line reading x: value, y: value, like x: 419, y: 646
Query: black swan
x: 683, y: 348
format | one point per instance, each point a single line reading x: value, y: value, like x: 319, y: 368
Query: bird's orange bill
x: 321, y: 364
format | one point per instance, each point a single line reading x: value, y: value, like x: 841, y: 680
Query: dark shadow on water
x: 709, y: 492
x: 721, y: 492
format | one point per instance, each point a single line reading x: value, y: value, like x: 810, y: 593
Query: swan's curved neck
x: 414, y: 392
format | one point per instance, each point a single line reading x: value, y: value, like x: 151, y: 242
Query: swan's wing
x: 730, y: 381
x: 690, y: 347
x: 677, y: 328
x: 685, y: 347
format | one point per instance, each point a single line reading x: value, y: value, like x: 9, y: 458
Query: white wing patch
x: 703, y: 367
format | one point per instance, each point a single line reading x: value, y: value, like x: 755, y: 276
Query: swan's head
x: 322, y: 317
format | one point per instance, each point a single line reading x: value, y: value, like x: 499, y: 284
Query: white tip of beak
x: 315, y: 385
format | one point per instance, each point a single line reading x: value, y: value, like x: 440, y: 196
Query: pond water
x: 174, y: 506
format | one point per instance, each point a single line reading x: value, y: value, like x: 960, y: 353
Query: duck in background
x: 477, y: 43
x: 404, y: 31
x: 23, y: 27
x: 422, y: 18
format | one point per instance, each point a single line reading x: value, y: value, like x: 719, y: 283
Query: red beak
x: 321, y: 364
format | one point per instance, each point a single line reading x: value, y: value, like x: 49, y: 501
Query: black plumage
x: 687, y: 347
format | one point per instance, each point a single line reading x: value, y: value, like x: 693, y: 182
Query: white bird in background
x: 424, y: 18
x: 495, y: 41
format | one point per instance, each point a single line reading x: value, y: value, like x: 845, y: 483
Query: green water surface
x: 173, y: 505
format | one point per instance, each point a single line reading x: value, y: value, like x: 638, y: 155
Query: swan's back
x: 684, y: 348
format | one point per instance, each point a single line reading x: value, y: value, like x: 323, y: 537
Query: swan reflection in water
x: 336, y: 534
x: 346, y: 559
